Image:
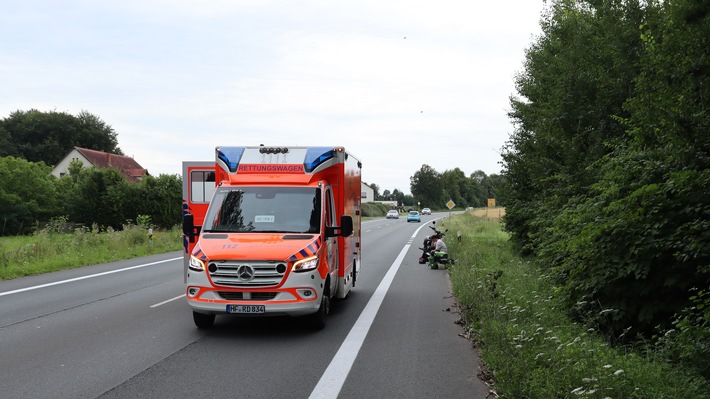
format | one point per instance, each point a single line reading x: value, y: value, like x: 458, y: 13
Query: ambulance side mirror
x: 346, y: 226
x: 344, y: 230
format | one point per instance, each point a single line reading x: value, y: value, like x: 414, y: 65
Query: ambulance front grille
x: 247, y: 296
x: 246, y: 273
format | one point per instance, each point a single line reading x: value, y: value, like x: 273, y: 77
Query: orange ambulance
x: 271, y: 231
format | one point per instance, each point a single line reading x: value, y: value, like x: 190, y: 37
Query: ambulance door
x: 198, y: 185
x: 331, y: 242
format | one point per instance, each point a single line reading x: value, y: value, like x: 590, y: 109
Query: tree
x: 96, y: 134
x: 161, y: 199
x: 576, y: 80
x: 426, y: 187
x: 455, y: 187
x: 606, y: 169
x: 494, y: 186
x: 48, y: 136
x: 97, y: 196
x: 376, y: 191
x: 27, y: 195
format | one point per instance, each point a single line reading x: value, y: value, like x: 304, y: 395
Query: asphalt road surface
x: 124, y: 330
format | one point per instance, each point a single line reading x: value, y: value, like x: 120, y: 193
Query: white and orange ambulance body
x: 271, y: 231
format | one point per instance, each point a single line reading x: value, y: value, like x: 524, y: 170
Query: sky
x: 399, y: 84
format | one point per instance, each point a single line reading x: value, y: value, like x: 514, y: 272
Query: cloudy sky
x: 398, y: 83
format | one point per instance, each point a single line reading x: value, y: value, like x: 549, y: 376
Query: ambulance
x: 271, y: 231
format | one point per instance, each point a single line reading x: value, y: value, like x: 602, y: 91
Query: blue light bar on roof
x: 230, y: 156
x: 316, y: 156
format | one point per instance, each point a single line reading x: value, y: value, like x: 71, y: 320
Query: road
x: 123, y: 330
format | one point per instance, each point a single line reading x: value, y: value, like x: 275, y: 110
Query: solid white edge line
x: 168, y: 301
x: 85, y: 277
x: 332, y: 380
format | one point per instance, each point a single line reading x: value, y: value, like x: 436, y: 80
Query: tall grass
x: 48, y: 251
x: 529, y: 347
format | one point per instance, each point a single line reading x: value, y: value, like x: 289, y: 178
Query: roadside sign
x: 491, y: 202
x: 450, y: 204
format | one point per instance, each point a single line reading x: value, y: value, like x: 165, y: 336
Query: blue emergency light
x: 230, y: 156
x: 316, y: 156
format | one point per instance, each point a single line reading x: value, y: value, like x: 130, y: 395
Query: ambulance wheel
x: 203, y: 320
x: 317, y: 319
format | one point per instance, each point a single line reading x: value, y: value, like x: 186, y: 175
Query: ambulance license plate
x: 246, y: 309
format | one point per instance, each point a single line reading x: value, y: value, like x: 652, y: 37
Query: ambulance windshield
x: 264, y: 210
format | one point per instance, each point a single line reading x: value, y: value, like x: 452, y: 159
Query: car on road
x: 392, y: 214
x: 426, y: 211
x: 413, y: 216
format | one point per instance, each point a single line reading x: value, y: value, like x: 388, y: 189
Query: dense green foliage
x: 608, y: 168
x: 27, y: 194
x: 372, y: 209
x: 30, y: 196
x: 49, y: 136
x: 531, y: 350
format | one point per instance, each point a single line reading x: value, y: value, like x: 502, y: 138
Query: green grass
x: 529, y: 347
x: 46, y: 252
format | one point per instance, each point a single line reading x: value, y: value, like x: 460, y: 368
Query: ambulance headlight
x: 196, y: 264
x: 305, y: 265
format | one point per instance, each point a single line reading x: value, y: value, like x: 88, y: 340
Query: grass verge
x: 47, y: 252
x: 529, y: 347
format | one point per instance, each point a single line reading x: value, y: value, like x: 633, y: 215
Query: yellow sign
x: 491, y: 202
x: 450, y: 204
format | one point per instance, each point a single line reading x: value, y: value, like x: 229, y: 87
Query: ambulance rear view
x: 271, y: 231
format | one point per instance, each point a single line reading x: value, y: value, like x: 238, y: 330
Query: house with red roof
x: 99, y: 159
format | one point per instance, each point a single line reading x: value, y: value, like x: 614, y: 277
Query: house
x: 368, y: 194
x: 99, y: 159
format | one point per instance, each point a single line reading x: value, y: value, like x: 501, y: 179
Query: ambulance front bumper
x: 299, y: 296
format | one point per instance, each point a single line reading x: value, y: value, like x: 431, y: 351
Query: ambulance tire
x: 203, y: 320
x: 317, y: 319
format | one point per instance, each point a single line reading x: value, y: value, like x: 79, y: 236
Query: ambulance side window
x: 202, y: 186
x: 329, y: 208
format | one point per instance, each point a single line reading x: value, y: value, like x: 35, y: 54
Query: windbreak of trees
x: 31, y: 141
x: 30, y: 195
x: 433, y: 189
x: 608, y: 168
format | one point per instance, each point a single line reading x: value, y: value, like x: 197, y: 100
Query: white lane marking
x: 36, y: 287
x: 168, y: 301
x: 332, y: 380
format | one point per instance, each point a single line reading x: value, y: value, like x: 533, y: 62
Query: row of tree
x: 432, y: 189
x: 31, y: 195
x: 608, y: 170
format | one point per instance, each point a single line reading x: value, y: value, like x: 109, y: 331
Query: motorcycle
x: 434, y: 259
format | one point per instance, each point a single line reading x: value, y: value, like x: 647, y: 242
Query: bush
x: 371, y: 209
x: 530, y: 349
